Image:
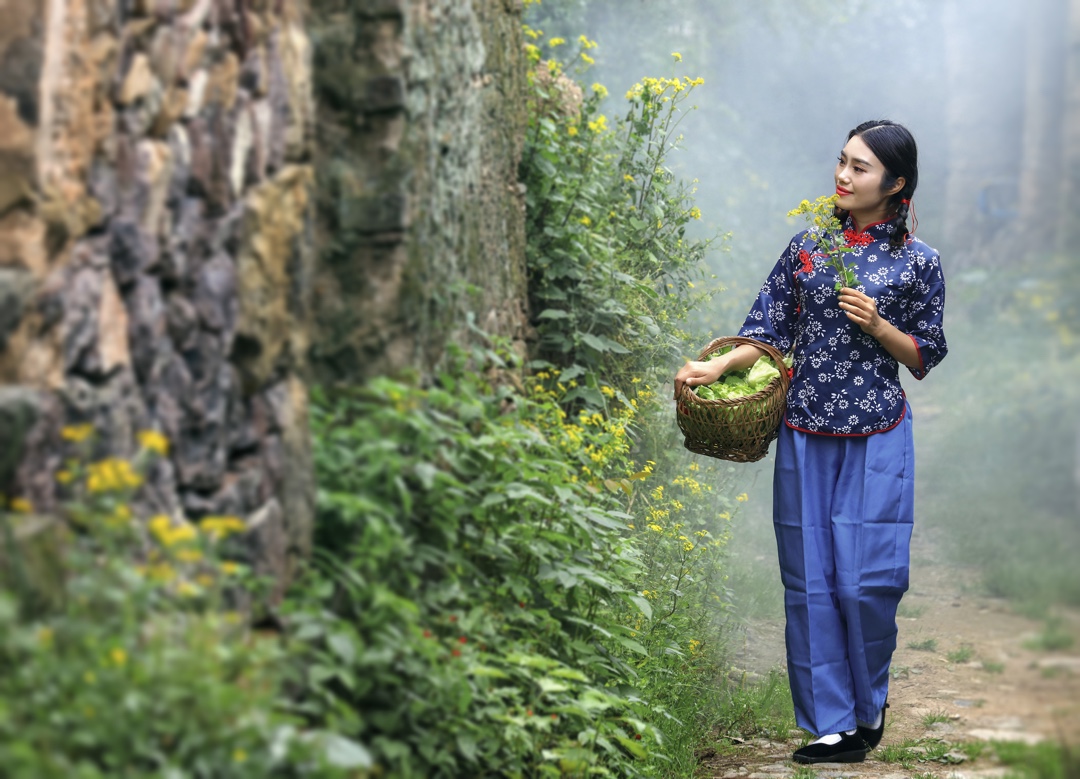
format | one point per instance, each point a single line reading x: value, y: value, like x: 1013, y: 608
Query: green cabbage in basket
x: 739, y: 384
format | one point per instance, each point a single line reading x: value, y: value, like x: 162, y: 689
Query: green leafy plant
x: 125, y: 659
x: 612, y: 268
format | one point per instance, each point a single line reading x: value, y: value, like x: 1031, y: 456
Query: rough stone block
x: 384, y: 93
x: 16, y: 288
x: 20, y: 408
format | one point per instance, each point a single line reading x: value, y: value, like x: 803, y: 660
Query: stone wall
x: 183, y: 237
x: 156, y: 252
x: 421, y: 119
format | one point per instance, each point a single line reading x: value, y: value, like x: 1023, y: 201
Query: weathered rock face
x: 420, y: 127
x: 166, y: 224
x: 156, y: 203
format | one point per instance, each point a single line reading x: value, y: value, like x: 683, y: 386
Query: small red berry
x: 427, y: 634
x: 528, y: 712
x: 455, y: 652
x: 637, y: 736
x: 463, y: 640
x: 554, y: 716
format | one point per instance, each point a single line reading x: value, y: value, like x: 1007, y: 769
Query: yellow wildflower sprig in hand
x: 828, y: 234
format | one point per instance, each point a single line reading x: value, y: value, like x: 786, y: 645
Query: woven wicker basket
x: 740, y: 429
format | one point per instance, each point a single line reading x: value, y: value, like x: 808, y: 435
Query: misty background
x: 991, y: 91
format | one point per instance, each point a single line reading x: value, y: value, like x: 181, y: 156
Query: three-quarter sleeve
x: 925, y: 312
x: 773, y: 316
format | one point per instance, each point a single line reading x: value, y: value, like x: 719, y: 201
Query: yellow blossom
x: 189, y: 555
x: 742, y: 498
x: 221, y: 527
x: 587, y: 59
x: 695, y: 213
x: 600, y: 90
x: 586, y: 43
x: 186, y: 589
x: 572, y: 130
x: 585, y: 221
x: 118, y: 657
x: 64, y: 477
x: 599, y: 124
x: 154, y: 441
x: 76, y: 433
x: 239, y: 756
x: 556, y: 42
x: 161, y: 572
x: 111, y: 475
x: 120, y: 516
x: 677, y: 56
x: 21, y: 506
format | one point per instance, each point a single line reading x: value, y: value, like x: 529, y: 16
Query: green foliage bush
x: 612, y: 271
x: 123, y: 660
x: 484, y: 603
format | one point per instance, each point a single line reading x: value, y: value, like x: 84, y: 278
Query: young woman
x: 844, y: 474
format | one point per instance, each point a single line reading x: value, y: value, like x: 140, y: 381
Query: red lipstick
x: 841, y: 191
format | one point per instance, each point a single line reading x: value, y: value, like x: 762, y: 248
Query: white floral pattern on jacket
x: 844, y: 382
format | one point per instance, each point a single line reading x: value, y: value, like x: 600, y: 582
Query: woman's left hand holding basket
x: 696, y: 373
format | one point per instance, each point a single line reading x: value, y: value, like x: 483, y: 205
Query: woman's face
x: 858, y: 180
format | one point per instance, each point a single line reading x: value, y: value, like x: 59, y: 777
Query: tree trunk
x: 984, y: 121
x: 1069, y: 226
x: 1040, y: 200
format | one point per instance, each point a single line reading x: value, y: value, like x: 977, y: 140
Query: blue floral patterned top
x: 844, y: 382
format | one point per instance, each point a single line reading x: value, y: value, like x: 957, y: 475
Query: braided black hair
x: 895, y: 146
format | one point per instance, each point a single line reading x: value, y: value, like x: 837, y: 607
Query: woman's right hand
x: 696, y: 373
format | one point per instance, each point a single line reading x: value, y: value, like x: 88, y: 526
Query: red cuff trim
x: 903, y: 413
x: 921, y: 373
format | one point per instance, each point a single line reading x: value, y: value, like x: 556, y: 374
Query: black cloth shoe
x: 849, y: 749
x: 872, y: 736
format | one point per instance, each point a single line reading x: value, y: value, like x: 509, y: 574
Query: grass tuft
x: 961, y: 655
x: 935, y: 717
x: 926, y: 645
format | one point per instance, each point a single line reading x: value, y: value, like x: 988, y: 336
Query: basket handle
x: 738, y: 340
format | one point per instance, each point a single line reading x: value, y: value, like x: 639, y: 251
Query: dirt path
x: 996, y: 686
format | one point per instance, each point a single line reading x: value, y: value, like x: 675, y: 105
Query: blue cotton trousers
x: 843, y: 509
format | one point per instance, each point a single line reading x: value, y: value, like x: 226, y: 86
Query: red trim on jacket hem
x: 903, y: 413
x: 922, y: 363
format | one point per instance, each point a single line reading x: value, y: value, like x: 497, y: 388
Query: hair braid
x: 899, y: 222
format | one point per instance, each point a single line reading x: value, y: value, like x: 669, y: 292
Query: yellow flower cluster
x: 112, y: 475
x: 154, y: 441
x: 599, y: 124
x: 76, y: 433
x: 169, y: 535
x: 821, y: 210
x: 222, y: 527
x: 657, y: 87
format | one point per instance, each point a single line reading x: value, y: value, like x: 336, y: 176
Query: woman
x: 843, y: 483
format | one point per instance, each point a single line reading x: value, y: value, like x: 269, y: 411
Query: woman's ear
x: 898, y: 186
